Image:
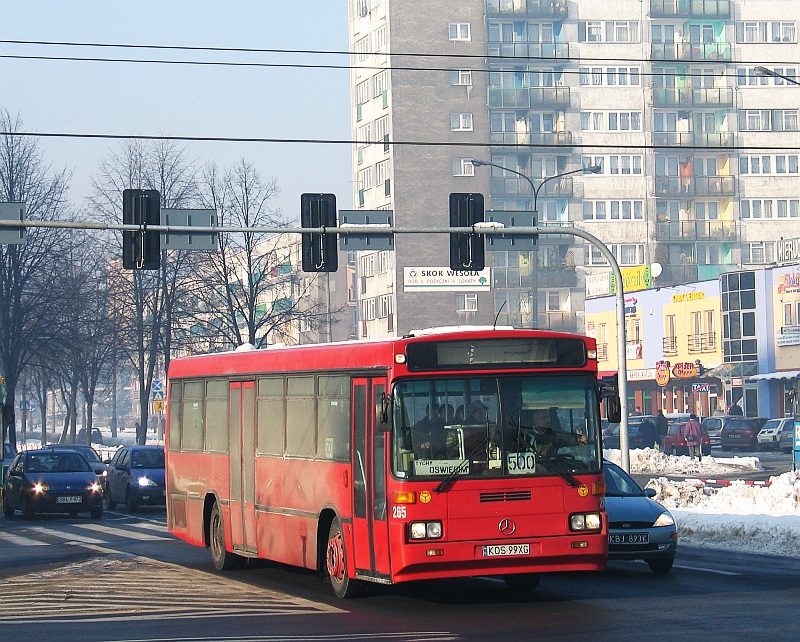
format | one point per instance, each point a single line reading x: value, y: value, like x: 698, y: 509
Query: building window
x: 758, y: 208
x: 461, y: 122
x: 363, y: 92
x: 619, y: 31
x: 467, y: 302
x: 379, y: 39
x: 381, y: 83
x: 463, y: 167
x: 459, y: 31
x: 461, y: 77
x: 625, y: 254
x: 362, y: 49
x: 763, y: 31
x: 613, y: 210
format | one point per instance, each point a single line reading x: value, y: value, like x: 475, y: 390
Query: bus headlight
x: 425, y: 530
x: 585, y: 522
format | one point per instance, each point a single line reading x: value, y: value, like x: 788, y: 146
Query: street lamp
x: 763, y: 71
x: 592, y: 169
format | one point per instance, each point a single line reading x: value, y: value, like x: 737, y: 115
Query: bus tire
x: 336, y: 563
x: 223, y: 559
x: 520, y: 582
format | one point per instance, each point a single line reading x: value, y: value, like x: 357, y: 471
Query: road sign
x: 158, y: 406
x: 158, y: 385
x: 12, y: 212
x: 158, y: 395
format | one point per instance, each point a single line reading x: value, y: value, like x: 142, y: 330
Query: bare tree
x: 251, y: 290
x: 144, y: 300
x: 29, y: 278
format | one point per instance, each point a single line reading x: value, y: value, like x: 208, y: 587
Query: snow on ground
x: 741, y: 516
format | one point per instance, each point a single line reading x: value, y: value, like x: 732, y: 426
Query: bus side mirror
x: 613, y: 408
x: 383, y: 408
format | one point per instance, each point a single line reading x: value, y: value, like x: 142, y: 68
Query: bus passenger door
x: 370, y: 524
x: 242, y: 465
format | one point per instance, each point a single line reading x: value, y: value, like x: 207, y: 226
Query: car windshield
x: 772, y: 424
x: 147, y: 459
x: 619, y: 484
x: 89, y: 454
x: 494, y: 426
x: 57, y: 462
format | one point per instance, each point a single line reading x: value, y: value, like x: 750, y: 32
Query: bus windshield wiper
x: 442, y: 485
x: 557, y: 465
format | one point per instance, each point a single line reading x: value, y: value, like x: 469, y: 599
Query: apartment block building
x: 688, y: 107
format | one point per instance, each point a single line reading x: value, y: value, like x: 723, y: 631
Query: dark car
x: 741, y: 432
x: 90, y: 455
x: 636, y: 438
x: 675, y: 442
x: 639, y: 528
x: 786, y: 443
x: 51, y: 481
x: 97, y: 437
x: 9, y: 452
x: 136, y: 477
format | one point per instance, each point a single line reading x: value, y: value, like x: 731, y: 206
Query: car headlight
x: 40, y: 488
x: 95, y: 487
x: 425, y: 530
x: 665, y: 519
x: 144, y: 481
x: 585, y: 522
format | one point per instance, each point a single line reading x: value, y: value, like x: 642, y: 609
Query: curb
x: 728, y: 482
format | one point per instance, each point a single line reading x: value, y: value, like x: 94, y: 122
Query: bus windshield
x: 487, y: 426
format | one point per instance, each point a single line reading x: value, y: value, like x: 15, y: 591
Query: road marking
x: 16, y: 540
x: 67, y: 537
x: 703, y: 569
x: 121, y: 532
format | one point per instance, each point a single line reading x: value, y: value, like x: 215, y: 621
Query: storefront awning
x: 786, y: 374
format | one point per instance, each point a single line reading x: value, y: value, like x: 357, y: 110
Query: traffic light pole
x: 479, y: 229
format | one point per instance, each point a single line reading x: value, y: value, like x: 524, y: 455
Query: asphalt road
x: 125, y: 578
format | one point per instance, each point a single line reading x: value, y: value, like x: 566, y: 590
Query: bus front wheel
x: 222, y: 558
x: 336, y: 563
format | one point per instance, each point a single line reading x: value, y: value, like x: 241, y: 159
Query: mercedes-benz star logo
x: 507, y: 527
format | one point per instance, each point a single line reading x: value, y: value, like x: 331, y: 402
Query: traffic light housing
x: 141, y: 249
x: 319, y: 249
x: 466, y: 250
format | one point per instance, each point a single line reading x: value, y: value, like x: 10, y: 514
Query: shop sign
x: 688, y: 296
x: 700, y: 387
x: 684, y: 370
x: 662, y: 373
x: 737, y: 382
x: 788, y: 339
x: 645, y: 374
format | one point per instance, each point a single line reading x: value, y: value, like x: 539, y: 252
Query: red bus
x: 426, y: 456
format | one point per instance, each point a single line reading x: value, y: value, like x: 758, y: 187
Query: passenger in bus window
x: 478, y: 414
x: 428, y: 435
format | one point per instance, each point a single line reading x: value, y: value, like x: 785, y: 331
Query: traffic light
x: 141, y: 249
x: 466, y: 250
x: 319, y: 250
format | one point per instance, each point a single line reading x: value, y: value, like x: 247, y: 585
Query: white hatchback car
x: 769, y: 436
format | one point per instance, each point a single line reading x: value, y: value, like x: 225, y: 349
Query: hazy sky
x: 61, y: 96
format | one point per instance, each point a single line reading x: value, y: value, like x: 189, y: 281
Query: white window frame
x: 468, y: 302
x: 461, y: 78
x: 461, y: 122
x: 463, y: 167
x: 459, y: 32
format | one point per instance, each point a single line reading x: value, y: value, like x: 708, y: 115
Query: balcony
x: 670, y: 346
x: 687, y: 96
x: 552, y: 9
x: 690, y: 8
x: 528, y: 97
x: 696, y: 343
x: 672, y: 186
x: 558, y: 321
x: 723, y: 231
x: 556, y: 139
x: 552, y: 277
x: 677, y: 275
x: 513, y: 185
x: 694, y: 139
x: 548, y: 50
x: 692, y: 51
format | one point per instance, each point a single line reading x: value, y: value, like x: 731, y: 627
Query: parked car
x: 713, y: 426
x: 675, y: 443
x: 136, y: 477
x: 97, y: 437
x: 90, y: 455
x: 9, y: 452
x: 786, y: 443
x: 611, y: 437
x: 741, y: 432
x: 770, y: 434
x: 639, y: 528
x: 51, y: 481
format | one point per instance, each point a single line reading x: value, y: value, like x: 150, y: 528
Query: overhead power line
x: 406, y: 143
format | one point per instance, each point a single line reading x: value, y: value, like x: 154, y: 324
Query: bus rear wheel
x: 336, y: 563
x: 222, y: 558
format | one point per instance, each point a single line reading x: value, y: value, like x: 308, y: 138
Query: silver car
x: 769, y: 436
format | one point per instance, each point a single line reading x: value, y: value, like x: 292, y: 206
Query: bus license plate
x: 506, y: 550
x: 70, y: 499
x: 629, y: 538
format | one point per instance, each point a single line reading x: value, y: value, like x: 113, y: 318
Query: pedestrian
x: 693, y: 432
x: 648, y: 432
x: 662, y: 426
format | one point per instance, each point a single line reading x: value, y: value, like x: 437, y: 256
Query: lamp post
x: 535, y: 189
x: 763, y: 71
